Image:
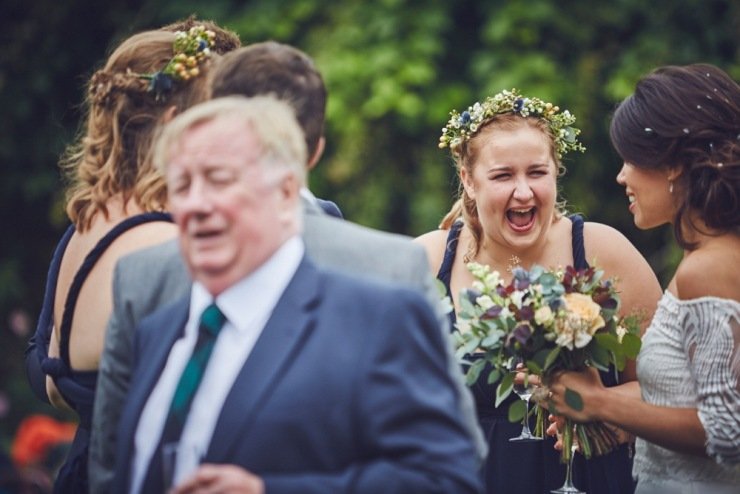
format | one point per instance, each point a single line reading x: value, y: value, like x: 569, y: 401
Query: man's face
x: 232, y: 212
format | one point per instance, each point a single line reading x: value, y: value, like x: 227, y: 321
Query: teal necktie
x: 211, y: 322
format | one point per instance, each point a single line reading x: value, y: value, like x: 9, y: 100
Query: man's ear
x: 316, y: 154
x: 169, y: 114
x: 289, y: 189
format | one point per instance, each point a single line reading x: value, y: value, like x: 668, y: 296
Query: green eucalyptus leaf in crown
x: 191, y: 48
x: 463, y: 126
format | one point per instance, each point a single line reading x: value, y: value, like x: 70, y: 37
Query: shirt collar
x: 259, y: 291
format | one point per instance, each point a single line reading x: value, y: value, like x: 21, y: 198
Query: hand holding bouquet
x: 551, y: 320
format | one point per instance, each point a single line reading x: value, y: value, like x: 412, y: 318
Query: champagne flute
x: 524, y: 390
x: 169, y: 464
x: 176, y: 456
x: 568, y: 487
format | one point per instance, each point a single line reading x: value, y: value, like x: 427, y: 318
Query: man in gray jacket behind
x: 148, y: 279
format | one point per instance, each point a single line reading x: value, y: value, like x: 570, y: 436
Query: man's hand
x: 222, y: 479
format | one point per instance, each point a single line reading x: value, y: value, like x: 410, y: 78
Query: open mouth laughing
x: 521, y: 219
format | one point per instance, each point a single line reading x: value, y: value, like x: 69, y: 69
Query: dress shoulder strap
x: 44, y: 325
x: 445, y: 270
x: 579, y: 249
x: 65, y: 327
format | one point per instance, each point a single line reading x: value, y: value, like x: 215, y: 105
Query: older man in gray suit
x: 153, y: 277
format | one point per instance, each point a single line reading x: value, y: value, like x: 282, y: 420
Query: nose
x: 620, y: 175
x: 522, y: 190
x: 195, y: 200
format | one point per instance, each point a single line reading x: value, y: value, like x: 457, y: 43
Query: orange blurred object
x: 36, y: 436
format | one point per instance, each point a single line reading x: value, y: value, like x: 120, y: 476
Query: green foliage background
x: 394, y: 69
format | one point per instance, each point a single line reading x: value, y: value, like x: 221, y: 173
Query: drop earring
x: 670, y: 186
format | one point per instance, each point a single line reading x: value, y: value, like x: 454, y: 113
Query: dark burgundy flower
x: 522, y: 333
x: 526, y: 313
x: 492, y: 313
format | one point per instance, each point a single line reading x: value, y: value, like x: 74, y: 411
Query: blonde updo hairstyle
x: 112, y: 154
x: 466, y: 154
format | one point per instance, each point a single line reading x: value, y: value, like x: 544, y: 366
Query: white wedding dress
x: 690, y: 357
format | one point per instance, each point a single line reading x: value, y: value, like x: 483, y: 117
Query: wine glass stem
x: 569, y: 471
x: 526, y: 418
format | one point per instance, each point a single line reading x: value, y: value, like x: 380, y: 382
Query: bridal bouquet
x: 549, y: 320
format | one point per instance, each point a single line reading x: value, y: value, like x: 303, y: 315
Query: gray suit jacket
x: 153, y: 277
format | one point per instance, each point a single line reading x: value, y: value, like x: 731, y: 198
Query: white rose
x: 463, y: 325
x: 516, y: 298
x: 485, y: 302
x: 543, y: 316
x: 565, y: 339
x: 582, y: 339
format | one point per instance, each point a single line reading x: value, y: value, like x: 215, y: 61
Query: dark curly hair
x: 687, y: 117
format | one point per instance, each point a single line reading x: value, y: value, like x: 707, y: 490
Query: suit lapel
x: 164, y: 329
x: 290, y: 324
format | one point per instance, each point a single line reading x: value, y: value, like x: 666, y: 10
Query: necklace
x: 514, y: 262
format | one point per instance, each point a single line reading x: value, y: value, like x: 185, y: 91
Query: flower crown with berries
x: 463, y: 126
x: 191, y: 48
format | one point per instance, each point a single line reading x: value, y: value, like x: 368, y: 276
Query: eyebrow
x: 498, y: 168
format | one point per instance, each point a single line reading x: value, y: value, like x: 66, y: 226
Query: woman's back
x: 93, y: 304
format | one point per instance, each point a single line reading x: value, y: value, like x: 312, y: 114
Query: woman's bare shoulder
x: 710, y: 271
x: 434, y: 243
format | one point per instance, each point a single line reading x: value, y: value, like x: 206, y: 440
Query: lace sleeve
x: 713, y: 347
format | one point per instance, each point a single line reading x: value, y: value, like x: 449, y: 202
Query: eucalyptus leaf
x: 600, y: 357
x: 631, y: 344
x: 465, y: 304
x: 517, y: 411
x: 472, y: 344
x: 441, y: 288
x: 491, y: 340
x: 533, y: 367
x: 608, y: 341
x: 474, y: 372
x: 551, y: 357
x: 494, y: 376
x: 504, y: 388
x: 541, y: 356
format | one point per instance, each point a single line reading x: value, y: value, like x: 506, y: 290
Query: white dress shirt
x: 247, y: 306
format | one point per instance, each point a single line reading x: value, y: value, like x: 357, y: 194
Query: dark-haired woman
x: 116, y: 203
x: 679, y: 137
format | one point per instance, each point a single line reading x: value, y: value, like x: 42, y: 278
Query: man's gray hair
x: 273, y: 122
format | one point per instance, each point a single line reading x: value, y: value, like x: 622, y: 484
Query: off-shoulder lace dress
x: 690, y: 357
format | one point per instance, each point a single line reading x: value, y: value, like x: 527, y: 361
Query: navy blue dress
x: 77, y: 387
x: 534, y: 467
